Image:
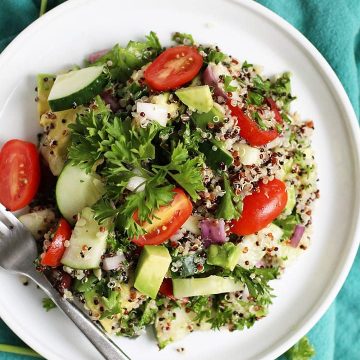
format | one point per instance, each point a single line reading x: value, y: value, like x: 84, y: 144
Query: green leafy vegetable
x: 230, y: 206
x: 281, y: 90
x: 150, y: 311
x: 227, y: 80
x: 111, y: 304
x: 288, y: 225
x: 256, y: 280
x: 215, y: 56
x: 302, y: 350
x: 81, y: 286
x: 261, y: 86
x: 48, y: 304
x: 183, y: 38
x: 246, y: 65
x: 186, y: 172
x: 255, y: 98
x: 259, y: 120
x: 123, y: 61
x: 89, y: 139
x: 201, y: 306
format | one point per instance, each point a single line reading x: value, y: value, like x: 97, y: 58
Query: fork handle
x: 107, y: 348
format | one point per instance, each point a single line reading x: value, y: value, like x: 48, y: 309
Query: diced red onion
x: 97, y: 55
x: 153, y: 112
x: 113, y: 262
x: 111, y: 100
x: 213, y: 231
x: 297, y: 235
x: 209, y: 78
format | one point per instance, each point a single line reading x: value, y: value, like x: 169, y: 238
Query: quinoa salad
x: 170, y: 187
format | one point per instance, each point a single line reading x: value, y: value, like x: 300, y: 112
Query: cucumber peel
x: 77, y: 87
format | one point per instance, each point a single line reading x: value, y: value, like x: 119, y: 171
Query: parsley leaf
x: 183, y: 38
x: 230, y: 206
x: 281, y: 90
x: 246, y: 65
x: 256, y: 280
x: 111, y: 304
x: 123, y: 61
x: 88, y: 136
x: 288, y: 225
x: 259, y: 120
x: 48, y: 304
x: 215, y: 56
x: 186, y: 172
x: 302, y: 350
x: 201, y: 306
x: 255, y: 98
x: 227, y: 80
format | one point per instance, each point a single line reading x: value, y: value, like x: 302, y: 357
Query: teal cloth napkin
x: 333, y: 27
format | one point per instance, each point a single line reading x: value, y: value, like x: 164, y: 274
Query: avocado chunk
x: 56, y: 138
x: 291, y: 201
x: 44, y: 84
x: 87, y: 243
x: 215, y: 154
x: 202, y: 120
x: 205, y: 286
x: 197, y: 98
x: 226, y: 255
x: 153, y: 264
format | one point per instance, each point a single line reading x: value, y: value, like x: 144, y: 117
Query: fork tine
x: 3, y: 229
x: 8, y: 215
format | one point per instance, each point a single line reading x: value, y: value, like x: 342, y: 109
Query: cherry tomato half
x: 261, y: 208
x: 166, y: 220
x: 166, y: 288
x: 56, y: 250
x: 19, y: 174
x: 173, y: 68
x: 250, y: 130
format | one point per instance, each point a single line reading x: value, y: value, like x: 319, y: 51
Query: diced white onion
x: 192, y: 224
x: 154, y: 112
x: 248, y: 155
x: 136, y: 183
x: 177, y: 236
x: 113, y: 262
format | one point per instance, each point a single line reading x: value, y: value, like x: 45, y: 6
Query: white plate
x: 248, y: 31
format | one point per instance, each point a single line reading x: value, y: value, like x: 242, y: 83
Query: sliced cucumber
x: 248, y: 155
x: 215, y: 154
x: 205, y: 286
x: 38, y: 222
x: 77, y: 87
x: 87, y: 243
x: 75, y: 189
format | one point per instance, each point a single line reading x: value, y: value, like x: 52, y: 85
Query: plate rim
x: 335, y: 87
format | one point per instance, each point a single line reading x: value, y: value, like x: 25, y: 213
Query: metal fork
x: 17, y: 253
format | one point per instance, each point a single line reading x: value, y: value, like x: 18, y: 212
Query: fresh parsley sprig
x: 230, y: 206
x: 185, y: 171
x: 257, y: 281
